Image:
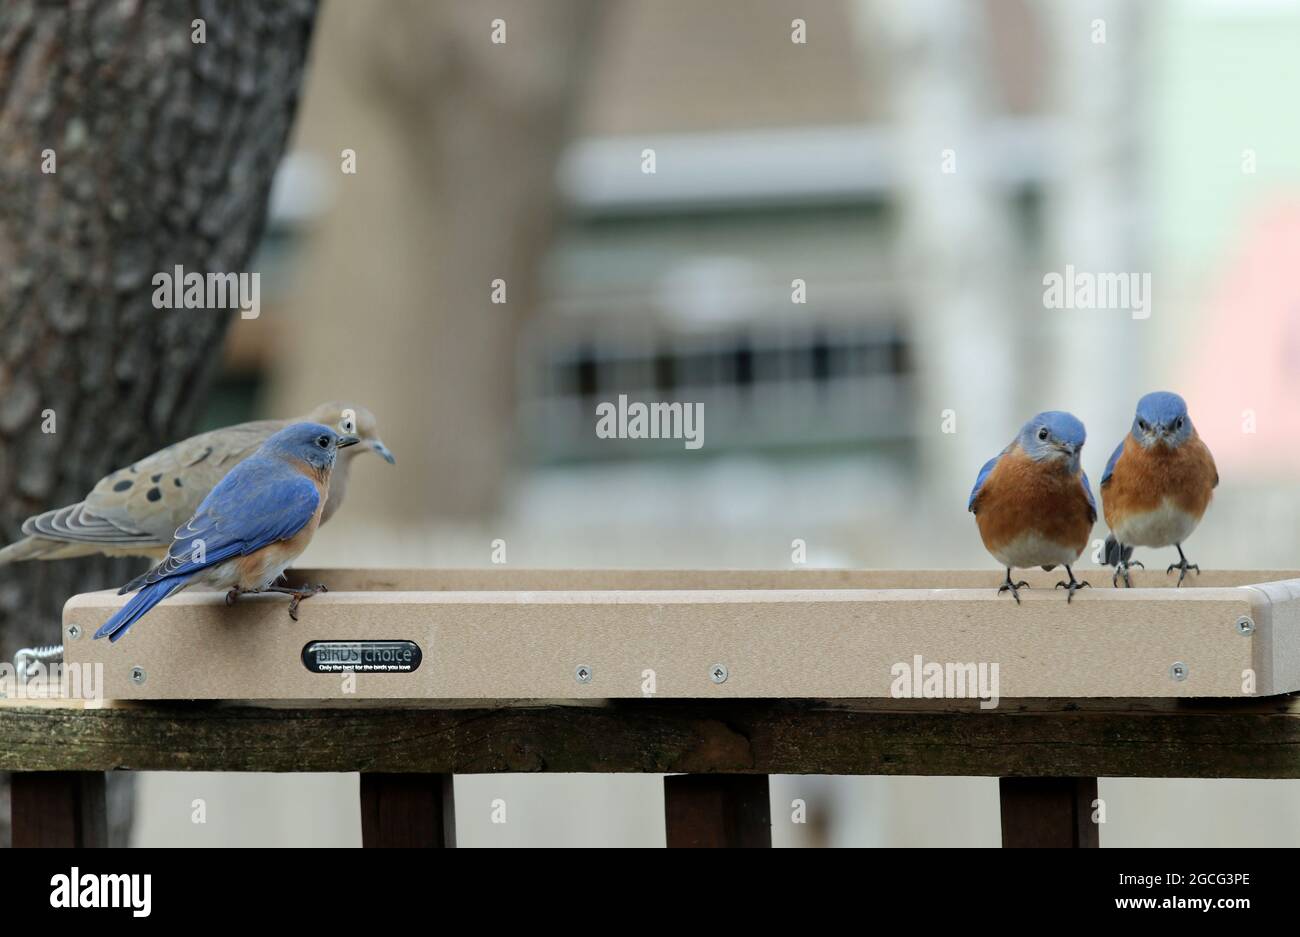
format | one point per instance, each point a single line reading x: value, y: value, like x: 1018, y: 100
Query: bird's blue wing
x: 259, y: 502
x: 981, y: 478
x: 1092, y: 504
x: 1110, y: 466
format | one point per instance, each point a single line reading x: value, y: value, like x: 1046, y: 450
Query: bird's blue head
x: 313, y: 443
x: 1054, y: 434
x: 1162, y: 417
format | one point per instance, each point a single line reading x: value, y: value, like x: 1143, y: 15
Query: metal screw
x: 582, y: 673
x: 1245, y: 625
x: 74, y: 631
x: 1178, y: 671
x: 137, y: 675
x: 718, y: 673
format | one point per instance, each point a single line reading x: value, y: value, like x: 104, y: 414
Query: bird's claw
x: 302, y: 592
x: 1182, y: 568
x: 231, y: 596
x: 1014, y: 588
x: 1073, y: 586
x: 1121, y: 572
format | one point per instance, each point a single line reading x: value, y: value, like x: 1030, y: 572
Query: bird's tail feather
x: 136, y: 583
x: 36, y: 547
x: 140, y: 603
x: 1113, y: 554
x: 28, y: 548
x: 39, y: 548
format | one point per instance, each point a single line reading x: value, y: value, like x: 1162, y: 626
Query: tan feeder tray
x: 591, y: 634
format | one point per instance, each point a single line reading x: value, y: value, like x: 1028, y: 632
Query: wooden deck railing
x: 717, y: 753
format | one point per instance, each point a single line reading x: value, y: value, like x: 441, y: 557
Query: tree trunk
x: 163, y: 151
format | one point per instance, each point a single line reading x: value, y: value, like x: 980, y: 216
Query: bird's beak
x: 345, y: 441
x: 383, y: 451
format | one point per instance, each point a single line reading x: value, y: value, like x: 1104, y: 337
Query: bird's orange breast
x: 1022, y: 496
x: 1145, y: 475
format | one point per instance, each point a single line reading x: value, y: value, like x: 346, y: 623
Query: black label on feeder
x: 361, y: 656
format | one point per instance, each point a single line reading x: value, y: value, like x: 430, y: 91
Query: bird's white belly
x: 1029, y: 550
x: 1163, y: 527
x: 229, y: 574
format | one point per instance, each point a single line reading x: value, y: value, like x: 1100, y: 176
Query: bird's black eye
x: 1042, y: 432
x: 1142, y: 425
x: 1178, y: 423
x: 323, y: 442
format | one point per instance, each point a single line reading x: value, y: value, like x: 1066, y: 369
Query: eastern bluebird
x: 134, y: 511
x: 1157, y: 484
x: 1032, y: 501
x: 249, y: 528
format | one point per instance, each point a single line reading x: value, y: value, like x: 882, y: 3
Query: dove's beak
x: 383, y: 452
x: 345, y: 441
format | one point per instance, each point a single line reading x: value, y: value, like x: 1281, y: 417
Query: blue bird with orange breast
x: 250, y: 527
x: 1157, y: 485
x: 1032, y: 501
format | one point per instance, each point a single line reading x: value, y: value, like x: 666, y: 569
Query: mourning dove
x: 135, y: 511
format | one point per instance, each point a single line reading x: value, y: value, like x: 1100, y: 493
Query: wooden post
x: 717, y: 810
x: 407, y: 810
x: 58, y: 809
x: 1048, y: 812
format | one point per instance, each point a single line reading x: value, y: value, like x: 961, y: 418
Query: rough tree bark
x: 164, y: 151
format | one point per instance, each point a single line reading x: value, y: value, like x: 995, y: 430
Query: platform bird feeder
x: 819, y: 634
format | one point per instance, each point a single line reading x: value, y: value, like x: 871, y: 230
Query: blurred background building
x: 840, y: 253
